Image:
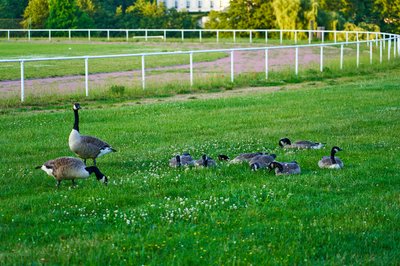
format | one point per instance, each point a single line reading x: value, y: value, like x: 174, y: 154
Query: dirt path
x: 245, y: 62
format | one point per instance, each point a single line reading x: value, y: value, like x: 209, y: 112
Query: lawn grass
x: 152, y: 214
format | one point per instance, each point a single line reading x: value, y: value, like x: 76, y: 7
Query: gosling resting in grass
x: 245, y: 157
x: 205, y: 161
x: 331, y: 162
x: 301, y: 144
x: 291, y: 168
x: 182, y: 160
x: 261, y: 161
x: 70, y: 168
x: 86, y: 147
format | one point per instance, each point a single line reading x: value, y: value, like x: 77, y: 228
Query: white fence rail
x: 383, y: 40
x: 155, y: 33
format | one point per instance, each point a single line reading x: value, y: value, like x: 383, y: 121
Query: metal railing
x: 381, y: 42
x: 149, y: 33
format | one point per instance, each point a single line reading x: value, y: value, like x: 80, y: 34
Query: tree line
x: 372, y: 15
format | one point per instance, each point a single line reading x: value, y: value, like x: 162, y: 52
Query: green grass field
x: 152, y: 214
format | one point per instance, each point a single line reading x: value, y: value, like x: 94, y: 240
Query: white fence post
x: 217, y: 36
x: 165, y: 35
x: 297, y: 61
x: 191, y: 69
x: 49, y: 35
x: 295, y: 36
x: 200, y: 35
x: 183, y: 35
x: 108, y: 35
x: 232, y: 65
x: 341, y: 56
x: 321, y: 60
x: 234, y: 36
x: 370, y: 52
x: 380, y: 51
x: 143, y: 74
x: 358, y: 54
x: 29, y: 35
x: 266, y: 36
x: 22, y: 82
x: 89, y: 37
x: 334, y: 36
x: 389, y: 46
x: 251, y: 37
x: 69, y: 34
x: 281, y: 37
x: 8, y: 35
x: 87, y: 76
x: 266, y: 63
x: 145, y: 35
x: 127, y: 35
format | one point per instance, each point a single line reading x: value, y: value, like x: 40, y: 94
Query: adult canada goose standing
x: 261, y: 161
x: 331, y: 162
x: 205, y: 161
x: 182, y: 160
x: 285, y: 168
x: 86, y: 147
x: 245, y: 157
x: 300, y: 144
x: 70, y: 168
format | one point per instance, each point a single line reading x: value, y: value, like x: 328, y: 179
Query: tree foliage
x: 241, y: 14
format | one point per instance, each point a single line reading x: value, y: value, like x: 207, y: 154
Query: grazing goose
x: 331, y: 162
x: 86, y: 147
x: 205, y: 161
x: 245, y: 157
x: 261, y: 161
x: 70, y: 168
x: 223, y: 157
x: 301, y: 144
x: 285, y: 168
x: 182, y: 160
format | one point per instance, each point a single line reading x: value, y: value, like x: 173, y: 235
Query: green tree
x: 388, y: 15
x: 65, y: 14
x: 12, y: 8
x: 286, y: 13
x: 36, y: 14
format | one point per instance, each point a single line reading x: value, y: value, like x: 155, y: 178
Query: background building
x: 196, y: 5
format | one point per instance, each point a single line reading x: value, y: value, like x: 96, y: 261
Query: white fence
x: 380, y: 40
x: 155, y: 33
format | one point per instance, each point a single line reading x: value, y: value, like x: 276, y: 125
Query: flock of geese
x: 88, y: 147
x: 260, y: 160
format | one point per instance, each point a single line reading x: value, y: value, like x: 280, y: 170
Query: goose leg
x: 94, y: 162
x: 73, y: 183
x: 84, y: 161
x: 58, y: 183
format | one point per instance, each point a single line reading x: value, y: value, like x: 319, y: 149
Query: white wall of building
x: 196, y: 5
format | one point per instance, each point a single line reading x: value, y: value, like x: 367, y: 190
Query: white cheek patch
x: 104, y: 151
x: 49, y: 171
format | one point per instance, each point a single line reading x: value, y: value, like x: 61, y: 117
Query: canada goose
x: 331, y: 162
x: 205, y: 161
x: 70, y: 168
x: 86, y: 147
x: 261, y: 161
x: 223, y: 157
x: 301, y: 144
x: 245, y: 157
x: 182, y: 160
x: 285, y: 168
